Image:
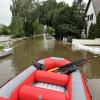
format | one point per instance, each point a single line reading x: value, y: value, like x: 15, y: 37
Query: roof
x: 96, y: 4
x: 88, y: 5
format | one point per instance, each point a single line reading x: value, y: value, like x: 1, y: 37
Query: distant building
x: 92, y: 10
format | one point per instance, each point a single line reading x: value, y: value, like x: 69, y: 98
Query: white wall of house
x: 89, y: 12
x: 87, y: 41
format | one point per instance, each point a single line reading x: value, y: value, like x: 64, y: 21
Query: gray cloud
x: 5, y: 14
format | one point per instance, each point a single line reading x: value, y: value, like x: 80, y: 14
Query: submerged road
x: 31, y: 50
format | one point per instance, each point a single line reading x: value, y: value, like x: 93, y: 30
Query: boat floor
x: 50, y: 86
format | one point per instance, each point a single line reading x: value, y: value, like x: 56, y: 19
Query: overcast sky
x: 5, y: 14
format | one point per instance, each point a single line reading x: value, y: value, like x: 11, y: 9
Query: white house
x: 92, y: 10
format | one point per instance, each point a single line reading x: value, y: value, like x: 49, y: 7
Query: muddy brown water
x: 28, y: 51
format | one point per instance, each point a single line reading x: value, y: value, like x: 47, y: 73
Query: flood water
x: 28, y: 51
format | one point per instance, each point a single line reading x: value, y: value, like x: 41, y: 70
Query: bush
x: 5, y: 31
x: 92, y: 31
x: 17, y: 35
x: 37, y: 28
x: 50, y: 31
x: 1, y: 31
x: 97, y: 27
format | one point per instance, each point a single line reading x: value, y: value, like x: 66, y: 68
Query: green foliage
x: 17, y: 35
x: 78, y: 14
x: 5, y: 30
x: 50, y: 31
x: 17, y: 27
x: 22, y: 20
x: 97, y: 27
x: 47, y: 12
x: 64, y: 20
x: 92, y: 31
x: 38, y: 28
x: 0, y: 31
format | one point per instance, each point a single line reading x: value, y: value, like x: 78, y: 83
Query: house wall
x: 89, y: 12
x: 87, y: 41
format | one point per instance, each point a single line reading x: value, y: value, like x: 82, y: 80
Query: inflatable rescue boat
x: 33, y: 84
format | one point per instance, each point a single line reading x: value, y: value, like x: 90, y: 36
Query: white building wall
x: 89, y: 12
x: 87, y: 41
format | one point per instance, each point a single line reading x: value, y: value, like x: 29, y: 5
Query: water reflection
x: 94, y: 87
x: 6, y: 70
x: 92, y: 70
x: 48, y: 43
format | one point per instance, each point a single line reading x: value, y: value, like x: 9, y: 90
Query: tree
x: 38, y: 28
x: 48, y: 9
x: 5, y: 30
x: 78, y: 14
x: 22, y: 19
x: 97, y: 27
x: 61, y: 20
x: 92, y: 31
x: 65, y: 20
x: 17, y: 27
x: 50, y: 31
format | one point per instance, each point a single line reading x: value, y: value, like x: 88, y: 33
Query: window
x: 88, y: 18
x: 91, y: 17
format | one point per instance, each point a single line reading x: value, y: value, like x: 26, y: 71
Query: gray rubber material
x: 8, y: 88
